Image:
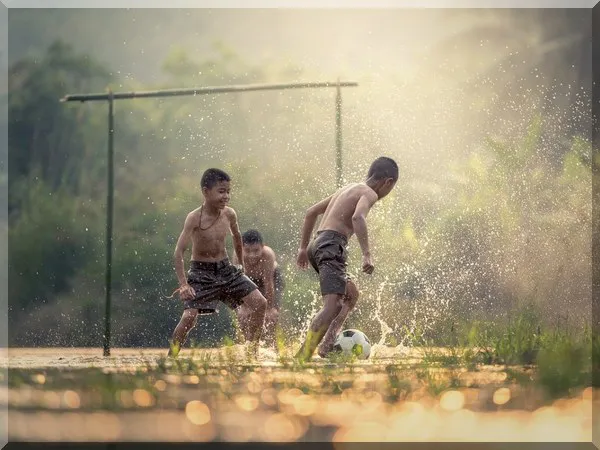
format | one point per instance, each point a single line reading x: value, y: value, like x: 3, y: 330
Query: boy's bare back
x: 344, y: 214
x: 342, y: 206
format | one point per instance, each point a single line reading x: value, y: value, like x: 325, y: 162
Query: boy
x: 261, y: 266
x: 211, y: 276
x: 344, y: 213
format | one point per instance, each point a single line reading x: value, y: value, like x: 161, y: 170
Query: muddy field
x: 74, y: 394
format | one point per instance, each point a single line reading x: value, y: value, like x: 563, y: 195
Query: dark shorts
x: 278, y: 284
x: 327, y: 254
x: 214, y: 282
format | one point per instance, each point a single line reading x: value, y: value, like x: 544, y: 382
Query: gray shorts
x: 278, y: 284
x: 327, y: 254
x: 214, y: 282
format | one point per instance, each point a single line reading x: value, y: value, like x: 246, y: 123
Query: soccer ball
x: 353, y: 342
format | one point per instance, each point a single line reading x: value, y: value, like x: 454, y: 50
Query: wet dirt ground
x: 76, y: 394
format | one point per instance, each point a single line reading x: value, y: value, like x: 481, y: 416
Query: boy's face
x: 253, y: 252
x: 387, y: 187
x: 218, y: 195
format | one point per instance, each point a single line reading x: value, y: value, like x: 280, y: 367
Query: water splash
x: 386, y: 330
x: 380, y: 349
x: 314, y: 307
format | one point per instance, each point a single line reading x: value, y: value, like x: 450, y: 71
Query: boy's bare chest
x: 211, y: 228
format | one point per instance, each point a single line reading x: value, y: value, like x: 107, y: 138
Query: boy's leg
x: 319, y: 325
x: 244, y: 314
x: 187, y: 322
x: 241, y: 294
x: 271, y: 318
x: 349, y: 302
x: 252, y: 315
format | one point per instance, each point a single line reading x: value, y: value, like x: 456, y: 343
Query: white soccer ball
x: 353, y: 342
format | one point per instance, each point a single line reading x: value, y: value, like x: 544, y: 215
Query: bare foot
x: 325, y: 350
x: 322, y: 353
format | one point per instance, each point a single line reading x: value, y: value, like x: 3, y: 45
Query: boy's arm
x: 307, y: 226
x: 268, y: 273
x: 359, y: 223
x: 180, y: 248
x: 310, y: 218
x: 237, y: 237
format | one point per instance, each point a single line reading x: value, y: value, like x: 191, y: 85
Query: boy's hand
x: 186, y: 292
x: 367, y: 265
x: 302, y: 258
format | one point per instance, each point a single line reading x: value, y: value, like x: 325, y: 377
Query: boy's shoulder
x: 229, y: 211
x: 360, y: 188
x: 355, y: 186
x: 268, y: 251
x: 195, y: 212
x: 349, y: 186
x: 229, y: 214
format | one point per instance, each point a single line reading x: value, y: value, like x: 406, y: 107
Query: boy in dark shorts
x: 212, y: 277
x: 261, y: 267
x: 344, y: 213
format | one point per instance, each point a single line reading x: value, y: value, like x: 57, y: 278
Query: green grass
x: 563, y: 357
x: 564, y: 362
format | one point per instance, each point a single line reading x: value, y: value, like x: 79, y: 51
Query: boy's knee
x: 351, y: 289
x: 271, y: 316
x: 190, y: 317
x: 262, y: 303
x: 334, y: 309
x: 257, y: 302
x: 190, y: 313
x: 351, y: 292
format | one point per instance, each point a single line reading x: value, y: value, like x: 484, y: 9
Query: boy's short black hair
x: 383, y: 167
x: 252, y: 237
x: 210, y: 177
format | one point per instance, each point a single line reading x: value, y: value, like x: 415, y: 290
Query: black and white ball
x: 353, y: 342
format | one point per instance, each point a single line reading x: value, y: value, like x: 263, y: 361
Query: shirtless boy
x: 344, y: 213
x: 260, y: 263
x: 211, y: 276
